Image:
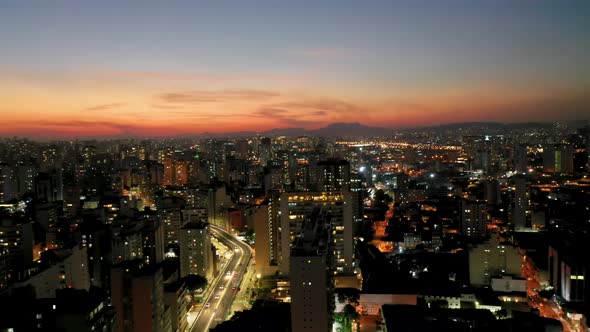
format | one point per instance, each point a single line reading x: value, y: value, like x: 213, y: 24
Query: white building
x: 71, y: 271
x: 492, y: 259
x: 195, y: 250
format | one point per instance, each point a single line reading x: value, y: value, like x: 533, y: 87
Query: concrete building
x: 332, y: 175
x: 311, y: 281
x: 296, y: 207
x: 137, y: 293
x: 491, y: 259
x: 520, y: 158
x: 171, y: 219
x: 194, y: 215
x: 195, y: 250
x: 266, y: 247
x: 520, y: 203
x: 474, y: 218
x: 68, y: 269
x: 558, y: 158
x: 568, y: 271
x: 177, y: 297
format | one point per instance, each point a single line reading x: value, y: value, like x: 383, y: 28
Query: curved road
x: 223, y: 286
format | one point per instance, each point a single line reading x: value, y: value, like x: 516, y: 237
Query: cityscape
x: 378, y: 166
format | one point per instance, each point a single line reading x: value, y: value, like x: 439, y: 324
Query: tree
x: 194, y: 282
x: 346, y: 317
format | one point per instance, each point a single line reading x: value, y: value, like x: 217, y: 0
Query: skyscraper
x: 195, y: 250
x: 137, y: 293
x: 296, y: 207
x: 311, y: 280
x: 474, y: 218
x: 520, y: 203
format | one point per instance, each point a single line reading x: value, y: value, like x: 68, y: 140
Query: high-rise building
x: 558, y: 158
x: 242, y: 149
x: 137, y: 293
x: 296, y: 207
x: 171, y: 219
x: 520, y: 203
x: 195, y: 250
x: 265, y: 149
x: 311, y: 279
x: 520, y: 158
x: 332, y: 175
x: 66, y: 268
x: 194, y: 215
x: 474, y: 218
x: 266, y: 221
x: 491, y: 259
x: 26, y: 179
x: 8, y: 183
x: 177, y: 298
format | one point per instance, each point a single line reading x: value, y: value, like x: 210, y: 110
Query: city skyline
x: 81, y: 69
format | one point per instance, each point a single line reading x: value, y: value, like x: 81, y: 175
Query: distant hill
x: 342, y: 129
x: 353, y: 129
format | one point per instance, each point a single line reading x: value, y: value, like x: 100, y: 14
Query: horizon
x: 82, y: 69
x: 304, y: 132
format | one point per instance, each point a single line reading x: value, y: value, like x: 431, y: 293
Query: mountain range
x: 355, y: 129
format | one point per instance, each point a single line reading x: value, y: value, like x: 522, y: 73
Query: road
x: 223, y: 292
x: 548, y: 308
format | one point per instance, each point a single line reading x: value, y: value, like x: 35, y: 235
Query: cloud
x: 104, y: 107
x: 307, y: 113
x: 206, y: 77
x: 322, y: 106
x: 219, y: 96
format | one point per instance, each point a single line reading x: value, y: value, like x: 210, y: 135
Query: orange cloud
x: 104, y: 107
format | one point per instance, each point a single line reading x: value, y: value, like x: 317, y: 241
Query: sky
x: 162, y: 68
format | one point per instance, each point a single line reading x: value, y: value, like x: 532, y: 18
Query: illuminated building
x: 491, y: 259
x: 68, y: 269
x: 520, y: 158
x: 137, y: 293
x: 196, y: 256
x: 171, y: 219
x: 474, y: 218
x: 520, y: 203
x: 266, y: 220
x: 296, y: 207
x: 311, y: 280
x: 558, y: 158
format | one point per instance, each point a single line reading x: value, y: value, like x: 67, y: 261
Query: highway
x: 225, y: 286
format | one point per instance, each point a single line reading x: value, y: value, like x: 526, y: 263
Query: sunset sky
x: 104, y: 68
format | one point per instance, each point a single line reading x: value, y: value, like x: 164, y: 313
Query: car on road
x: 217, y: 296
x: 221, y: 287
x: 234, y: 288
x: 207, y: 305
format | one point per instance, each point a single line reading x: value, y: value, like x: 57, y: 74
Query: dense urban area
x: 466, y: 227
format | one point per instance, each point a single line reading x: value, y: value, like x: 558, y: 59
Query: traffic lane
x: 218, y: 310
x: 204, y: 321
x: 207, y: 315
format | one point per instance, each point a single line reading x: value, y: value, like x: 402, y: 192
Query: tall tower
x: 474, y: 221
x: 195, y: 250
x: 310, y: 275
x: 137, y: 293
x: 520, y: 203
x: 296, y: 207
x: 520, y: 158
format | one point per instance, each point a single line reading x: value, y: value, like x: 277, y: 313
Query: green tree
x: 346, y: 317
